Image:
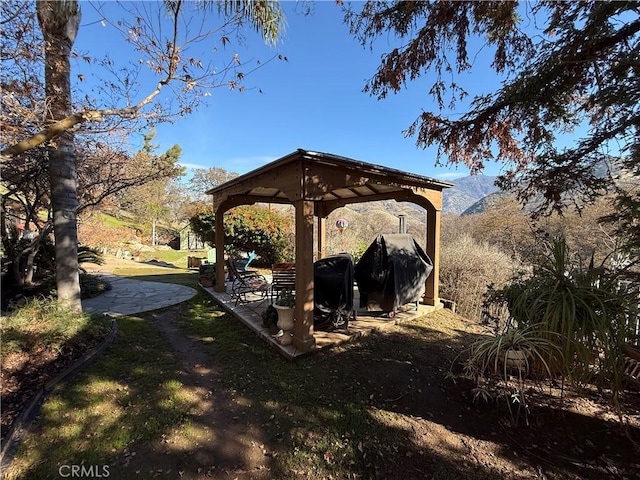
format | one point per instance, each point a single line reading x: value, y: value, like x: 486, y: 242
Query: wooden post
x: 322, y: 237
x: 303, y: 338
x: 431, y: 296
x: 220, y: 280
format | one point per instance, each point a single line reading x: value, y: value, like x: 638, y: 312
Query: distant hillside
x: 487, y: 203
x: 607, y: 167
x: 412, y: 212
x: 466, y: 192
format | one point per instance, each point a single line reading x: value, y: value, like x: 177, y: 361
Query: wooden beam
x: 237, y: 200
x: 400, y: 196
x: 323, y: 176
x: 322, y: 237
x: 433, y: 197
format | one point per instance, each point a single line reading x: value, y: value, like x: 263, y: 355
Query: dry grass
x: 467, y: 268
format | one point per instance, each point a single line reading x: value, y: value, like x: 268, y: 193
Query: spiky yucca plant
x: 89, y: 255
x: 583, y: 308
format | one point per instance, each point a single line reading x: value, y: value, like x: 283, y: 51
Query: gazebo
x: 315, y: 184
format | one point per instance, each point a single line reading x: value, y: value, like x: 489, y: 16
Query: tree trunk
x: 59, y: 22
x: 29, y: 271
x: 18, y: 275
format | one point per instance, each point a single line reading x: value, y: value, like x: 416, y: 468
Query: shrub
x: 585, y: 310
x: 269, y: 316
x: 207, y: 269
x: 249, y: 228
x: 359, y: 250
x: 507, y: 352
x: 90, y: 286
x: 42, y: 322
x: 467, y: 268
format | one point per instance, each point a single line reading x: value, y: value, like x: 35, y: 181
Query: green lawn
x: 174, y: 257
x: 381, y: 407
x: 321, y: 417
x: 131, y: 395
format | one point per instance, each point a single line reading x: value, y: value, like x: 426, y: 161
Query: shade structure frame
x: 317, y: 183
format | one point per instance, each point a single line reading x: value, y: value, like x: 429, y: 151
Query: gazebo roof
x: 330, y: 179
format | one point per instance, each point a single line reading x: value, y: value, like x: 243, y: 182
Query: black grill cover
x: 392, y: 272
x: 333, y: 283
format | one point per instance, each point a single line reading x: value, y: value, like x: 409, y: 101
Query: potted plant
x: 207, y: 275
x: 512, y: 348
x: 269, y: 317
x: 285, y: 306
x: 512, y: 351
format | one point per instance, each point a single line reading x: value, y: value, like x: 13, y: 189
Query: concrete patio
x: 250, y: 313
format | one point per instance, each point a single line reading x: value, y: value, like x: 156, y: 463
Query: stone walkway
x: 128, y: 296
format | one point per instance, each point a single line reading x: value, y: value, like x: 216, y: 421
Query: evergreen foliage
x: 248, y: 228
x: 567, y: 68
x: 585, y: 310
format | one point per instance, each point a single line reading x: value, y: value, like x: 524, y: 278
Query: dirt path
x: 219, y: 438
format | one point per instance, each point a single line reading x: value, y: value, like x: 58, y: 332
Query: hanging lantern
x: 342, y: 225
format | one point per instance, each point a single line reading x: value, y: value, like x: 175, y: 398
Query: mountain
x: 608, y: 167
x: 389, y: 210
x: 466, y: 192
x: 487, y: 202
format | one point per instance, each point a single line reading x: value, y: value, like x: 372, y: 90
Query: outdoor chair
x: 211, y: 257
x: 246, y: 281
x: 631, y: 355
x: 243, y: 263
x: 283, y: 277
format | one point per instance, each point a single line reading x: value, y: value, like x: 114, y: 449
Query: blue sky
x: 312, y: 101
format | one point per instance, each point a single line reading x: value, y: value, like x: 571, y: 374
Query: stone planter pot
x: 285, y: 323
x: 516, y: 359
